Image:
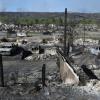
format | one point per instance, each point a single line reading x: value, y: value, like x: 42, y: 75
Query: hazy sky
x: 50, y: 5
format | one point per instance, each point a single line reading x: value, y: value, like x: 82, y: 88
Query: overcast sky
x: 50, y: 5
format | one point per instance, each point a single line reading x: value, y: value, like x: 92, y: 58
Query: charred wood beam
x: 89, y: 73
x: 67, y: 59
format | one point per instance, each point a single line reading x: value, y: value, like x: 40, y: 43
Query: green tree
x: 36, y: 21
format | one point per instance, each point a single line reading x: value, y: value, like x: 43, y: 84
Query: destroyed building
x: 47, y: 68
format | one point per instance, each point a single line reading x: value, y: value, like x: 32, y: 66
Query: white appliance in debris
x: 95, y: 50
x: 5, y: 48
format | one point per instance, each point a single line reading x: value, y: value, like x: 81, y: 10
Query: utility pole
x: 1, y: 72
x: 65, y: 34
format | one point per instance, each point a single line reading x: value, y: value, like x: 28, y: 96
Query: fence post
x: 1, y: 71
x: 43, y: 75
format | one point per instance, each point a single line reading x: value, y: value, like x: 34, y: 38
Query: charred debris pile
x: 77, y: 73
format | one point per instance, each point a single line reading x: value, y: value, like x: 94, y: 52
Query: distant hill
x: 48, y: 14
x: 31, y: 14
x: 12, y: 16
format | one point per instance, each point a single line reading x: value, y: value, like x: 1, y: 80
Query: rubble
x: 55, y: 88
x: 35, y: 70
x: 63, y: 80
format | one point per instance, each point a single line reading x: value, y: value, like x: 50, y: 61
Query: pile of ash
x: 36, y: 57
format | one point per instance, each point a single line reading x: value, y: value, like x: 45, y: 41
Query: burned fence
x: 18, y: 76
x: 23, y: 76
x: 29, y: 76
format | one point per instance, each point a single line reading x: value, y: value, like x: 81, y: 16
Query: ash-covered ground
x: 23, y: 80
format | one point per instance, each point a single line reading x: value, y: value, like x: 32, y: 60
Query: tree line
x: 53, y: 20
